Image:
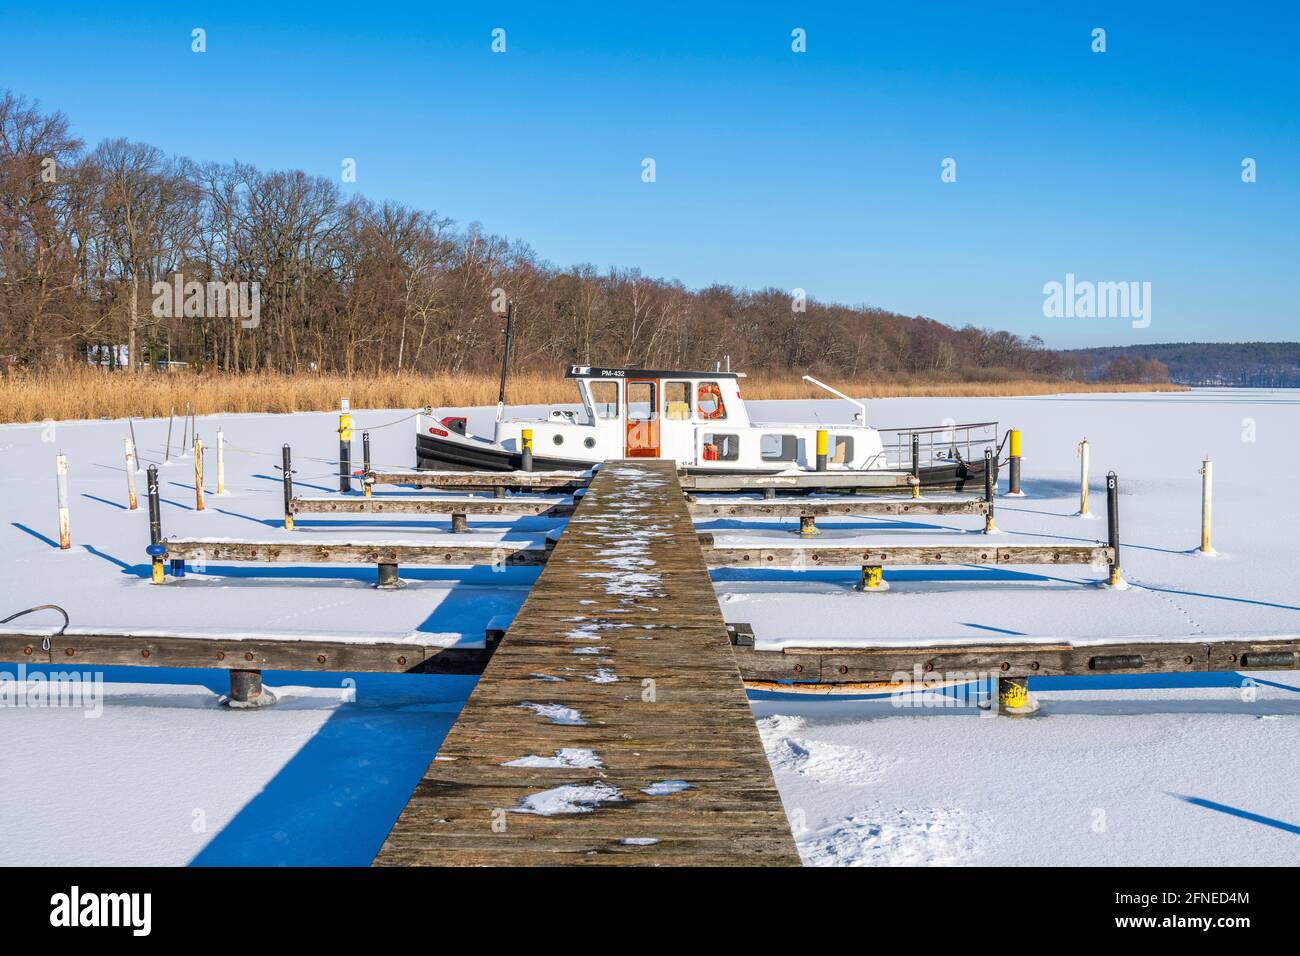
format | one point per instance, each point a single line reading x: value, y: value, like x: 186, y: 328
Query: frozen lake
x: 1188, y: 770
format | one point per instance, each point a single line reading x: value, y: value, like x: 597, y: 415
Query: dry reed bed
x: 80, y: 392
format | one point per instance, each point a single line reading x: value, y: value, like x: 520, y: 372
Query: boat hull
x: 434, y: 454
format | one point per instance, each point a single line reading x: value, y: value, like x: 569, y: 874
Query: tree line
x: 349, y: 285
x: 1252, y: 364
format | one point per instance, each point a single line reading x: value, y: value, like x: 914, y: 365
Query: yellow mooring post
x: 65, y: 530
x: 345, y: 445
x: 1207, y: 496
x: 873, y: 579
x: 198, y: 474
x: 130, y: 474
x: 1013, y: 697
x: 526, y: 450
x: 821, y: 449
x: 1013, y: 464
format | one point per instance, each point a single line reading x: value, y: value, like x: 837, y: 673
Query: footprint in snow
x: 932, y: 836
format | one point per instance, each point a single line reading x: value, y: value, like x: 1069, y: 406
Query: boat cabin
x: 696, y: 418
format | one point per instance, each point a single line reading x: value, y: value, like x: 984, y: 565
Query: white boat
x: 699, y: 420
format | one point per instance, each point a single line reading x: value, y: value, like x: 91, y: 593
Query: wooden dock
x: 614, y: 698
x: 434, y: 505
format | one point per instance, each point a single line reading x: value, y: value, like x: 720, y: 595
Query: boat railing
x: 938, y: 444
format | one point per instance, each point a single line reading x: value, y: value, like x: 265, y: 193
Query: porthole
x: 558, y: 439
x: 589, y: 442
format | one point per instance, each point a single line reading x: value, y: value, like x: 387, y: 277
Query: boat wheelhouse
x: 699, y: 420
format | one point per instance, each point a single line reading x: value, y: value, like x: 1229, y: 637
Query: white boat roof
x: 598, y: 371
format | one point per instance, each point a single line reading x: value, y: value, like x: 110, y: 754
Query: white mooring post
x: 130, y: 474
x: 221, y: 462
x: 1083, y: 480
x: 1207, y: 496
x: 65, y: 531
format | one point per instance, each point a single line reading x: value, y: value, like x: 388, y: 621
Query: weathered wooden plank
x: 794, y: 508
x: 154, y: 650
x: 525, y: 480
x: 200, y: 549
x: 414, y: 504
x: 832, y: 556
x: 24, y: 647
x: 1021, y: 659
x: 659, y: 699
x: 841, y: 480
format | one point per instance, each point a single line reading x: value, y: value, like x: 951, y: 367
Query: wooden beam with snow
x: 811, y: 555
x: 940, y: 662
x: 152, y: 648
x: 566, y: 481
x: 870, y: 481
x: 856, y: 506
x: 420, y: 504
x: 214, y: 549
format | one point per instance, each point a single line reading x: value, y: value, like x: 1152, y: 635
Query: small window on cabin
x: 841, y: 450
x: 708, y: 400
x: 778, y: 447
x: 677, y: 401
x: 721, y: 447
x: 641, y: 402
x: 604, y: 398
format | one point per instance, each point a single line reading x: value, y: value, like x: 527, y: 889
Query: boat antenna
x: 862, y: 413
x: 505, y: 360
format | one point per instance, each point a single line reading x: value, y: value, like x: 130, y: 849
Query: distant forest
x: 349, y: 285
x: 1255, y: 364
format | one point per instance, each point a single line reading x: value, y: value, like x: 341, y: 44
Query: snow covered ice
x: 1190, y: 769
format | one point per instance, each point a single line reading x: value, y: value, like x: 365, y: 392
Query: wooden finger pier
x: 611, y: 725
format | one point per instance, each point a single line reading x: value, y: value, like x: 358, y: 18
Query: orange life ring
x: 719, y: 411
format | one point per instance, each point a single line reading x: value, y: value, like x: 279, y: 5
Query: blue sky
x: 818, y: 170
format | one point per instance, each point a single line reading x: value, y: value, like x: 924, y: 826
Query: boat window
x: 721, y: 447
x: 841, y: 450
x: 604, y: 398
x: 709, y: 401
x: 677, y: 401
x: 778, y: 447
x: 640, y: 401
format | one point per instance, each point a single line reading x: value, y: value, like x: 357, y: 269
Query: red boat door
x: 641, y: 399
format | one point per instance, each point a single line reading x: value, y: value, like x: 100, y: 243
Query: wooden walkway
x: 613, y: 698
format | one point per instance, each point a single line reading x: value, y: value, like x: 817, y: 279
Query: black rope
x: 45, y: 642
